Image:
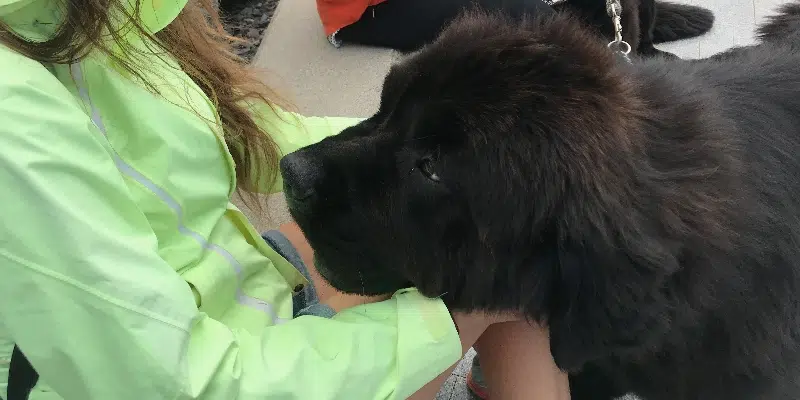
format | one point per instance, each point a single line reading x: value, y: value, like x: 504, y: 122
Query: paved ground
x: 322, y: 80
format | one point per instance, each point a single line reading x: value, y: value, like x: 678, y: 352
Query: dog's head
x: 496, y: 175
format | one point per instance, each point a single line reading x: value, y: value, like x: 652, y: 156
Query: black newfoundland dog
x: 648, y: 213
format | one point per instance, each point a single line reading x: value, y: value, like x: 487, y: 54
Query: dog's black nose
x: 300, y: 172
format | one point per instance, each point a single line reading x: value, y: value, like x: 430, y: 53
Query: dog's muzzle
x: 301, y: 174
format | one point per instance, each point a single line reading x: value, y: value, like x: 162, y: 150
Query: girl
x: 126, y: 271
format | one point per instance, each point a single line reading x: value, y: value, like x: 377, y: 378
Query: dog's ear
x: 607, y: 302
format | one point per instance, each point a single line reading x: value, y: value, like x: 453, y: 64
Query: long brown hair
x: 198, y: 41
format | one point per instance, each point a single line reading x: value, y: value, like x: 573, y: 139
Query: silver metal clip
x: 614, y: 10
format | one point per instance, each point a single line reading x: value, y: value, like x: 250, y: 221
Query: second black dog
x: 644, y: 22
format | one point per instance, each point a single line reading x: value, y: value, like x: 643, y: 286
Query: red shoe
x: 475, y: 382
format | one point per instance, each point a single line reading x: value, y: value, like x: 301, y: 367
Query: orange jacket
x: 336, y: 14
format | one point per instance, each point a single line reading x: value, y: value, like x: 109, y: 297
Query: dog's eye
x: 425, y: 166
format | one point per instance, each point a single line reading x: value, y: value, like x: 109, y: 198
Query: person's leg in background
x: 407, y: 25
x: 404, y: 25
x: 516, y: 8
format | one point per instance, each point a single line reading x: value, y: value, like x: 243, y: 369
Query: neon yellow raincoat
x: 126, y: 272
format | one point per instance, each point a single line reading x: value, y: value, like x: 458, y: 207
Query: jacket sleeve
x: 100, y: 315
x: 291, y: 131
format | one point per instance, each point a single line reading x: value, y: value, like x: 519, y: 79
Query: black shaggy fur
x: 680, y: 21
x: 785, y: 25
x: 648, y: 213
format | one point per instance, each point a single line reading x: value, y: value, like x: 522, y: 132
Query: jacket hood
x: 155, y: 14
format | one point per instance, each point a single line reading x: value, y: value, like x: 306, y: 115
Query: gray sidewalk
x: 321, y: 80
